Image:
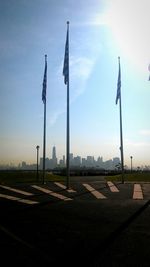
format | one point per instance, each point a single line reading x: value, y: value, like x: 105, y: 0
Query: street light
x: 37, y: 174
x: 131, y: 162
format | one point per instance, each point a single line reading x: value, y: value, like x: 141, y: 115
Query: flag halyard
x: 118, y: 84
x: 44, y: 82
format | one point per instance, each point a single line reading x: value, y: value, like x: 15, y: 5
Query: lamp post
x: 131, y: 162
x: 37, y: 174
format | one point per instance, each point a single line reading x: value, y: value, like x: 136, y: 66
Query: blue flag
x: 118, y: 84
x: 66, y: 60
x: 44, y: 82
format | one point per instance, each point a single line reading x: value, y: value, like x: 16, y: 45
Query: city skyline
x: 75, y: 161
x: 52, y: 161
x: 99, y: 33
x: 78, y: 161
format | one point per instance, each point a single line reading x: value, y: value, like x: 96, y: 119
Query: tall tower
x: 54, y: 159
x: 54, y: 153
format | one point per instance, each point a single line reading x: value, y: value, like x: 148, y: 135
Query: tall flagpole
x: 44, y: 101
x: 44, y: 142
x: 120, y: 113
x: 121, y: 142
x: 68, y: 119
x: 66, y: 81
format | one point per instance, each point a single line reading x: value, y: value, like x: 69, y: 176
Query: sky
x: 100, y: 31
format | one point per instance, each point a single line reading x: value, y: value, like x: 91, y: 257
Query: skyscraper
x: 54, y: 158
x: 54, y: 153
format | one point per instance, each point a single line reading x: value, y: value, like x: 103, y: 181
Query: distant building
x: 47, y: 163
x: 77, y: 161
x: 116, y: 162
x: 62, y: 163
x: 83, y: 163
x: 100, y: 162
x: 53, y: 161
x: 90, y: 161
x: 108, y: 165
x: 54, y: 153
x: 23, y: 165
x: 71, y: 159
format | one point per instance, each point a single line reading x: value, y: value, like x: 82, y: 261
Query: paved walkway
x: 94, y: 223
x: 77, y: 191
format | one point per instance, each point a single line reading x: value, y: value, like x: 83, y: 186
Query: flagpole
x: 44, y: 132
x: 121, y: 132
x: 68, y: 122
x: 121, y: 143
x: 44, y: 142
x: 66, y: 81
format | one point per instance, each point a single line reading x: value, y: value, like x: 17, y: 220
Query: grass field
x: 131, y: 177
x: 12, y: 177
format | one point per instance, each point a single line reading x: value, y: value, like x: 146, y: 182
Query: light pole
x: 37, y: 174
x: 131, y: 162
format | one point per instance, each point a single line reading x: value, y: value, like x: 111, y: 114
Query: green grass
x: 12, y: 177
x: 131, y: 177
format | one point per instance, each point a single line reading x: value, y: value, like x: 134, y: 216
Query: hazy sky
x: 100, y: 31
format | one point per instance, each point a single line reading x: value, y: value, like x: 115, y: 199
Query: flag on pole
x: 118, y: 84
x: 149, y: 71
x: 66, y: 58
x: 44, y: 81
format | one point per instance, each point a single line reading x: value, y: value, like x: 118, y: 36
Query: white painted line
x: 16, y: 190
x: 64, y: 187
x: 49, y: 192
x: 94, y: 192
x: 112, y: 187
x: 137, y: 192
x: 26, y: 201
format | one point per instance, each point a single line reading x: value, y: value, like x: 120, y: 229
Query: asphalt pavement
x: 75, y: 228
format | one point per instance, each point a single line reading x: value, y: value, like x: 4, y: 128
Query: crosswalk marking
x: 136, y: 195
x: 94, y: 192
x: 26, y: 201
x: 137, y: 192
x: 64, y: 187
x: 112, y: 187
x: 16, y: 190
x: 49, y: 192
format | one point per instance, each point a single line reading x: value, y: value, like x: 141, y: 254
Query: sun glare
x: 129, y: 21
